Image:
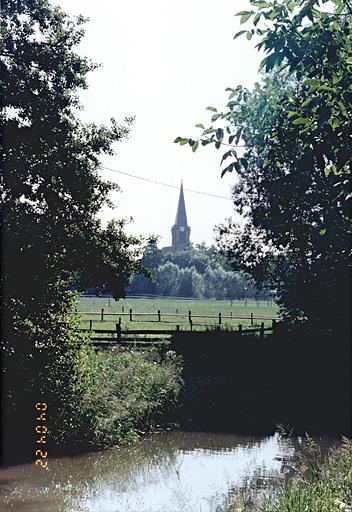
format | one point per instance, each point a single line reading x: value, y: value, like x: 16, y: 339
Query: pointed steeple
x: 181, y: 217
x: 180, y: 230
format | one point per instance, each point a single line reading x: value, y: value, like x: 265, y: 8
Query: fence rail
x: 160, y: 316
x: 119, y: 337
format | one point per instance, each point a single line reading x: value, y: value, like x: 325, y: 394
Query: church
x: 180, y: 231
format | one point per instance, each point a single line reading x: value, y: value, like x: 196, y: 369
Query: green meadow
x: 145, y: 313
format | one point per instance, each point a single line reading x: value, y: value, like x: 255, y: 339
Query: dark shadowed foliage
x: 51, y: 193
x: 244, y: 384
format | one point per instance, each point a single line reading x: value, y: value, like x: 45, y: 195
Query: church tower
x: 180, y: 230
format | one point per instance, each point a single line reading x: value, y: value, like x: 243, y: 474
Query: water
x: 167, y: 472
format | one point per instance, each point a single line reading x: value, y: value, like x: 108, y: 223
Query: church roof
x: 181, y: 217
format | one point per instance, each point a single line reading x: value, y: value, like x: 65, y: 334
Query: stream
x: 166, y: 472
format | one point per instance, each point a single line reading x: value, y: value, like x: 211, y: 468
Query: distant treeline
x: 196, y: 271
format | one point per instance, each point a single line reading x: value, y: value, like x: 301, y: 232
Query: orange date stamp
x: 41, y: 430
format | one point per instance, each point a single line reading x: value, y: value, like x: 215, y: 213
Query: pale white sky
x: 164, y: 62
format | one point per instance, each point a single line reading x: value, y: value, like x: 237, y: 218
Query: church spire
x: 180, y: 230
x: 181, y: 217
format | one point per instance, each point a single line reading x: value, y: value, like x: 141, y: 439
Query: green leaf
x: 215, y: 117
x: 226, y: 155
x: 219, y: 134
x: 257, y: 18
x: 245, y: 18
x: 239, y: 33
x: 180, y: 140
x: 292, y: 114
x: 260, y: 5
x: 243, y: 13
x: 301, y: 120
x: 229, y: 168
x: 322, y: 232
x: 313, y: 83
x: 269, y: 62
x: 199, y: 125
x: 195, y: 146
x: 212, y: 109
x: 334, y: 123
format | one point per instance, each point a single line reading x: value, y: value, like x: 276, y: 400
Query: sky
x: 164, y: 63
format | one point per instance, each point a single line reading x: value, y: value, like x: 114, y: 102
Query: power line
x: 164, y: 184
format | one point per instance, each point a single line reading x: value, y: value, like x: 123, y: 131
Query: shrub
x: 123, y: 394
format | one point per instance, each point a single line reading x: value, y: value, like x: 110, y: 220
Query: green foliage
x: 293, y: 164
x: 51, y: 194
x: 193, y: 272
x: 124, y: 393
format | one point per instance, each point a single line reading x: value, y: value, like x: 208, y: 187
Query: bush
x: 123, y: 394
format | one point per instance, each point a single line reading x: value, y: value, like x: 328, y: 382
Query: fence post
x: 190, y: 317
x: 118, y: 334
x: 131, y: 315
x: 109, y: 301
x: 190, y: 321
x: 90, y: 324
x: 102, y: 315
x: 240, y: 328
x: 159, y: 315
x: 262, y: 330
x: 177, y: 328
x: 119, y: 321
x: 274, y: 325
x: 251, y: 318
x: 123, y: 309
x: 176, y: 311
x: 219, y: 318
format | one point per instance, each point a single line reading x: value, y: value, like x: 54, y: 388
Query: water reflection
x: 168, y: 472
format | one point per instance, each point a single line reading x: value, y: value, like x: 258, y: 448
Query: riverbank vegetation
x: 118, y: 395
x: 318, y: 484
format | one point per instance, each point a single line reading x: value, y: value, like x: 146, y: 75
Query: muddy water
x: 167, y: 472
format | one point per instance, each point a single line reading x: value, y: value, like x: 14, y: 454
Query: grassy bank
x: 319, y: 484
x: 123, y: 394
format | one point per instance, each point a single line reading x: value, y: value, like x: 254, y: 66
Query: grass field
x: 90, y: 308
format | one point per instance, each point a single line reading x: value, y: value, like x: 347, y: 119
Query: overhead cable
x: 164, y: 184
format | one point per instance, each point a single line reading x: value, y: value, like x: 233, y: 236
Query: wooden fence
x: 141, y: 338
x: 162, y: 317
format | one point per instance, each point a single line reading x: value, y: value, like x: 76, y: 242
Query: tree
x: 51, y: 194
x: 214, y: 276
x: 189, y: 283
x: 167, y: 276
x: 289, y: 141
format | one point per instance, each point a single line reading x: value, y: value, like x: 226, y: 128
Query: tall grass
x: 123, y: 394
